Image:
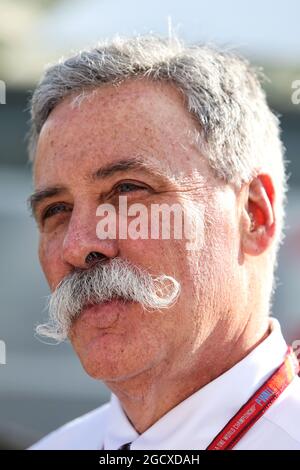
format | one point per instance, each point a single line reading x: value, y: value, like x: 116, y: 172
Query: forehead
x: 135, y: 118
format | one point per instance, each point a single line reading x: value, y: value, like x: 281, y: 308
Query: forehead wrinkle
x: 134, y: 163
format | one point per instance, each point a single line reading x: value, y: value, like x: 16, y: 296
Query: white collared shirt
x: 196, y: 421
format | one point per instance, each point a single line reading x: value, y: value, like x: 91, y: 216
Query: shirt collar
x: 195, y: 422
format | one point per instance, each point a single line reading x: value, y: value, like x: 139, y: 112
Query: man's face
x: 148, y: 122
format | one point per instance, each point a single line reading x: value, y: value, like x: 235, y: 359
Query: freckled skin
x: 151, y: 360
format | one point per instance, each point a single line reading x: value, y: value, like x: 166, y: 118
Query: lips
x: 105, y: 314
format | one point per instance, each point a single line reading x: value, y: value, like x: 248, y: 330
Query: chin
x: 103, y: 355
x: 113, y: 341
x: 111, y: 355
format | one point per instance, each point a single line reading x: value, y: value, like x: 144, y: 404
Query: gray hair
x: 118, y: 279
x: 238, y: 133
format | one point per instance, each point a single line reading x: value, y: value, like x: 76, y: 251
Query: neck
x: 148, y: 396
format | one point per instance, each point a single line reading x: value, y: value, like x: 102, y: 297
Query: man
x: 182, y: 336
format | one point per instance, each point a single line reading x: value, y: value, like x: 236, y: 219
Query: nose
x: 81, y: 246
x: 94, y: 257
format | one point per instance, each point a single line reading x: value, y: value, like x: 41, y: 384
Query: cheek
x: 50, y: 259
x: 155, y: 256
x: 223, y: 232
x: 171, y: 258
x: 220, y: 258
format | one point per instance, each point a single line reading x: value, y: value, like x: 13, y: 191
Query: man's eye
x: 55, y: 209
x: 129, y: 187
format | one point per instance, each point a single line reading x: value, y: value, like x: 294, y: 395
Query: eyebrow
x: 40, y: 195
x: 102, y: 173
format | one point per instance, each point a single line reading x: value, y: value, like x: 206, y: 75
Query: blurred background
x: 43, y: 386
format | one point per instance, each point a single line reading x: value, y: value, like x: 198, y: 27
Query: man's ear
x: 259, y: 218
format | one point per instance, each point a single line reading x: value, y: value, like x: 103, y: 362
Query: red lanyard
x: 257, y: 405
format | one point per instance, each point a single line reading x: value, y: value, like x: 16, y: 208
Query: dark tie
x: 125, y: 446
